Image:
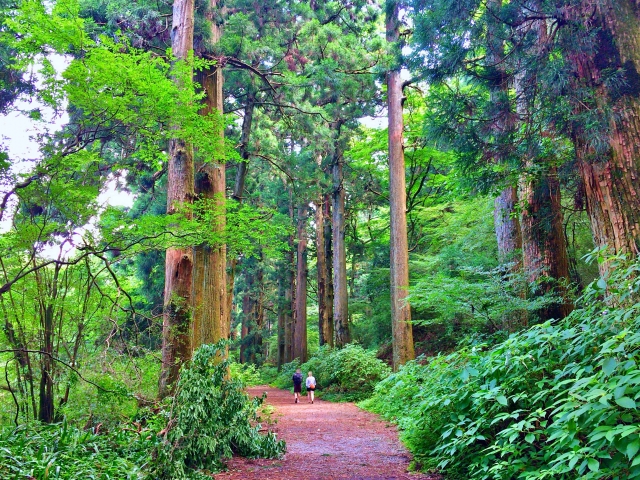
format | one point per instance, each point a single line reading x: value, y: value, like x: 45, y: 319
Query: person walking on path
x: 297, y: 385
x: 311, y: 385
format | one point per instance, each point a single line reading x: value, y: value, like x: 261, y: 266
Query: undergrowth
x: 347, y: 374
x: 189, y: 436
x: 558, y: 401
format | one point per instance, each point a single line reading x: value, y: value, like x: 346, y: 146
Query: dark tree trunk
x: 289, y: 296
x: 248, y: 313
x: 281, y: 320
x: 259, y: 316
x: 46, y: 410
x: 544, y: 246
x: 300, y: 328
x: 325, y: 318
x: 402, y: 331
x: 241, y: 176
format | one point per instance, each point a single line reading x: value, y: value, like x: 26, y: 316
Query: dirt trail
x: 327, y: 441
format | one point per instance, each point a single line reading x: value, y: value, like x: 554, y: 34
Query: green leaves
x: 626, y: 402
x: 555, y: 401
x: 211, y: 419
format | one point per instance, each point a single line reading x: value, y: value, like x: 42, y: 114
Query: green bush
x: 245, y: 373
x: 211, y: 419
x: 557, y: 401
x: 348, y: 374
x: 61, y: 451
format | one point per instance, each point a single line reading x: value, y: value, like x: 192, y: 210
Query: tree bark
x: 211, y: 313
x: 176, y: 322
x: 289, y: 296
x: 610, y: 179
x: 300, y: 328
x: 507, y: 227
x: 340, y: 298
x: 402, y: 331
x: 544, y: 246
x: 325, y: 318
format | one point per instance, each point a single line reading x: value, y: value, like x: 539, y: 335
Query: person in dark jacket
x: 297, y: 385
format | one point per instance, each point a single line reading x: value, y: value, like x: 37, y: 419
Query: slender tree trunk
x: 402, y: 331
x: 281, y: 320
x: 46, y: 410
x: 300, y: 329
x: 289, y: 296
x: 340, y: 298
x: 241, y: 175
x: 328, y: 248
x: 176, y: 323
x: 259, y: 315
x: 248, y: 311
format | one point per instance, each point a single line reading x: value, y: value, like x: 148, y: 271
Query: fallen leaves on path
x: 326, y: 441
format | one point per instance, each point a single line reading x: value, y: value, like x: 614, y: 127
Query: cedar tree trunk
x: 340, y: 299
x: 176, y: 321
x: 300, y: 328
x: 402, y: 331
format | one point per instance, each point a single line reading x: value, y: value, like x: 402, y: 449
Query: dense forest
x: 432, y: 204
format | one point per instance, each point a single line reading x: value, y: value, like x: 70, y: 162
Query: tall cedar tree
x: 401, y: 328
x: 211, y: 317
x: 177, y: 312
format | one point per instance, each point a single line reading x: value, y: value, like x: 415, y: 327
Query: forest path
x: 326, y: 441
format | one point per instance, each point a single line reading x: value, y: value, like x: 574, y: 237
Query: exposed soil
x: 326, y: 441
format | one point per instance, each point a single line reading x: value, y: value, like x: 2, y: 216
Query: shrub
x: 349, y: 374
x: 211, y: 418
x: 557, y: 401
x: 42, y: 451
x: 245, y: 373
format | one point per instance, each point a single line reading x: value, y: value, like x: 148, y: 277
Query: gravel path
x: 327, y: 441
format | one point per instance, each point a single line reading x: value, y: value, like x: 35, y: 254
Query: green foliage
x: 245, y: 373
x: 555, y: 401
x: 62, y: 451
x: 210, y: 420
x: 348, y: 374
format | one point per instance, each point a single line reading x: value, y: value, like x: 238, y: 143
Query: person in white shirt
x: 311, y: 385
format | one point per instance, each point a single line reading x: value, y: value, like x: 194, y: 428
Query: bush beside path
x: 326, y: 441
